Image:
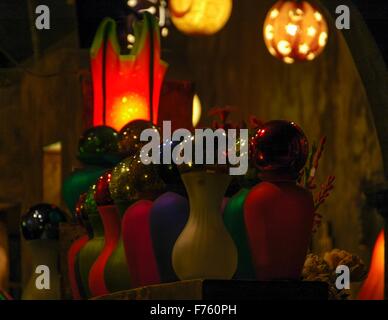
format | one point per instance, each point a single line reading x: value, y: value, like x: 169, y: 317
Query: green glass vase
x: 116, y: 271
x: 235, y: 224
x: 90, y: 252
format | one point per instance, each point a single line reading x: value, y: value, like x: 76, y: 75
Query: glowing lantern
x: 200, y: 17
x: 373, y: 286
x: 126, y: 87
x: 295, y: 31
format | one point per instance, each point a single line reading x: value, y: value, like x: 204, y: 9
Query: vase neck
x: 97, y: 226
x: 112, y: 223
x: 44, y: 252
x: 205, y: 191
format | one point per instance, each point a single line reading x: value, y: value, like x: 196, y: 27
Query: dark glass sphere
x: 280, y: 148
x: 97, y: 143
x: 129, y: 137
x: 42, y: 222
x: 132, y: 180
x: 102, y: 194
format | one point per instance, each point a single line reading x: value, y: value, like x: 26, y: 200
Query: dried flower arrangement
x: 324, y: 269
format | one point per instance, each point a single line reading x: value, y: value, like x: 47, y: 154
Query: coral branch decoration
x: 308, y: 180
x: 324, y: 192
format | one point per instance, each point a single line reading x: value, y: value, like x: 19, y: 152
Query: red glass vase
x: 71, y: 264
x: 279, y: 219
x: 138, y: 244
x: 112, y: 228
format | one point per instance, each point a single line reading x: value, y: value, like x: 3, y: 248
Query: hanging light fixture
x: 295, y: 30
x: 200, y: 17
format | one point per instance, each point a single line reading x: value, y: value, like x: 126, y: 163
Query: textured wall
x: 326, y: 97
x: 36, y: 112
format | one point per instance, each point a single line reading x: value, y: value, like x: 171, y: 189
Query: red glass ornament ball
x: 278, y: 147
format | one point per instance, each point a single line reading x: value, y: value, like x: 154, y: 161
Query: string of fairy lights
x: 158, y: 8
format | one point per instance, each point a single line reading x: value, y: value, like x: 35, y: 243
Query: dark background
x: 15, y: 32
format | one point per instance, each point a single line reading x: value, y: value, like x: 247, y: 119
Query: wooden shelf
x: 224, y: 290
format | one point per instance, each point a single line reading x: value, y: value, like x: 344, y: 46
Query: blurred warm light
x: 373, y: 286
x: 295, y: 31
x: 164, y: 32
x: 132, y: 3
x: 200, y: 17
x: 131, y: 38
x: 128, y: 108
x: 197, y: 110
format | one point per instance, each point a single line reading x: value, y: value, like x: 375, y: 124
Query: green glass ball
x: 99, y: 145
x: 132, y: 180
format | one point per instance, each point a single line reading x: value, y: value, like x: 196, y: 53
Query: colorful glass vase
x: 169, y: 215
x: 138, y: 244
x: 279, y: 213
x: 72, y: 265
x: 279, y: 219
x: 90, y: 252
x: 116, y: 274
x: 235, y: 224
x: 205, y: 249
x: 112, y: 228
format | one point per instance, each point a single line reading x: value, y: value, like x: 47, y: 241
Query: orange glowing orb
x: 295, y: 31
x: 200, y: 17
